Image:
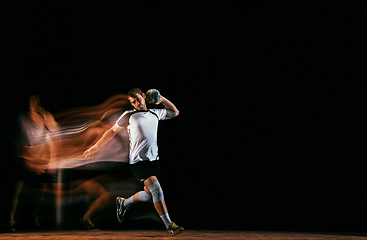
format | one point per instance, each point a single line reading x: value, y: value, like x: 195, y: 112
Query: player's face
x: 138, y: 102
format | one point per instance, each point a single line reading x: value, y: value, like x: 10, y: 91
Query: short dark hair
x: 134, y: 91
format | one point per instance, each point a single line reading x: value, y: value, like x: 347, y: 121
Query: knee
x: 150, y: 180
x: 156, y: 191
x: 144, y: 197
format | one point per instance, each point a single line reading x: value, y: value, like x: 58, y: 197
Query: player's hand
x: 91, y: 152
x: 160, y: 100
x: 49, y: 168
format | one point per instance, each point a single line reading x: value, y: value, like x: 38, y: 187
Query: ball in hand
x: 153, y: 96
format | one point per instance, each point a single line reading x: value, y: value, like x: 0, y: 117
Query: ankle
x: 166, y: 220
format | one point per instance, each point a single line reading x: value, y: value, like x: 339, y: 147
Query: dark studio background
x: 267, y: 136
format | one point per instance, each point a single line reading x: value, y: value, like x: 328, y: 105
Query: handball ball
x: 153, y: 96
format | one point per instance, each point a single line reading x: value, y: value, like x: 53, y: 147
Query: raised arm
x: 172, y: 110
x: 106, y: 137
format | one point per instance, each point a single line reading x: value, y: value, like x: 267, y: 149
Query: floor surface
x: 189, y: 234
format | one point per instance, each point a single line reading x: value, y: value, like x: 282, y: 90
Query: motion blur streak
x: 113, y: 104
x: 52, y: 174
x: 46, y: 141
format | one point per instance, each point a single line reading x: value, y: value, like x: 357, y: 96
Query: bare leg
x: 39, y: 203
x: 99, y: 204
x: 160, y: 206
x: 135, y: 197
x: 153, y: 188
x: 101, y: 195
x: 14, y: 204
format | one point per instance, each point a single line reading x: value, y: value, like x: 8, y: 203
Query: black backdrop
x: 267, y: 136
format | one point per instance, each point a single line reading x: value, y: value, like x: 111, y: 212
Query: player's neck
x: 142, y: 109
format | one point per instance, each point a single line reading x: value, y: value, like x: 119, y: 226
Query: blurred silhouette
x: 49, y: 146
x: 36, y: 132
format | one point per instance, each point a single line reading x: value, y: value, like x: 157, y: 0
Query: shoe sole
x: 117, y: 212
x: 118, y: 219
x: 178, y: 231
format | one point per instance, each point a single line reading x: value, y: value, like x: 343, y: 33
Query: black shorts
x: 145, y: 169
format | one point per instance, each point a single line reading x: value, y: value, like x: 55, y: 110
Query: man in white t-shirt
x: 142, y: 126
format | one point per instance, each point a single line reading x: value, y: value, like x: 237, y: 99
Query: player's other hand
x: 91, y: 152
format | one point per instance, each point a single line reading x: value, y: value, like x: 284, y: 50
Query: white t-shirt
x: 142, y: 127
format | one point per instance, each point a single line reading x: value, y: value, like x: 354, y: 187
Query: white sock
x: 165, y: 218
x: 128, y: 201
